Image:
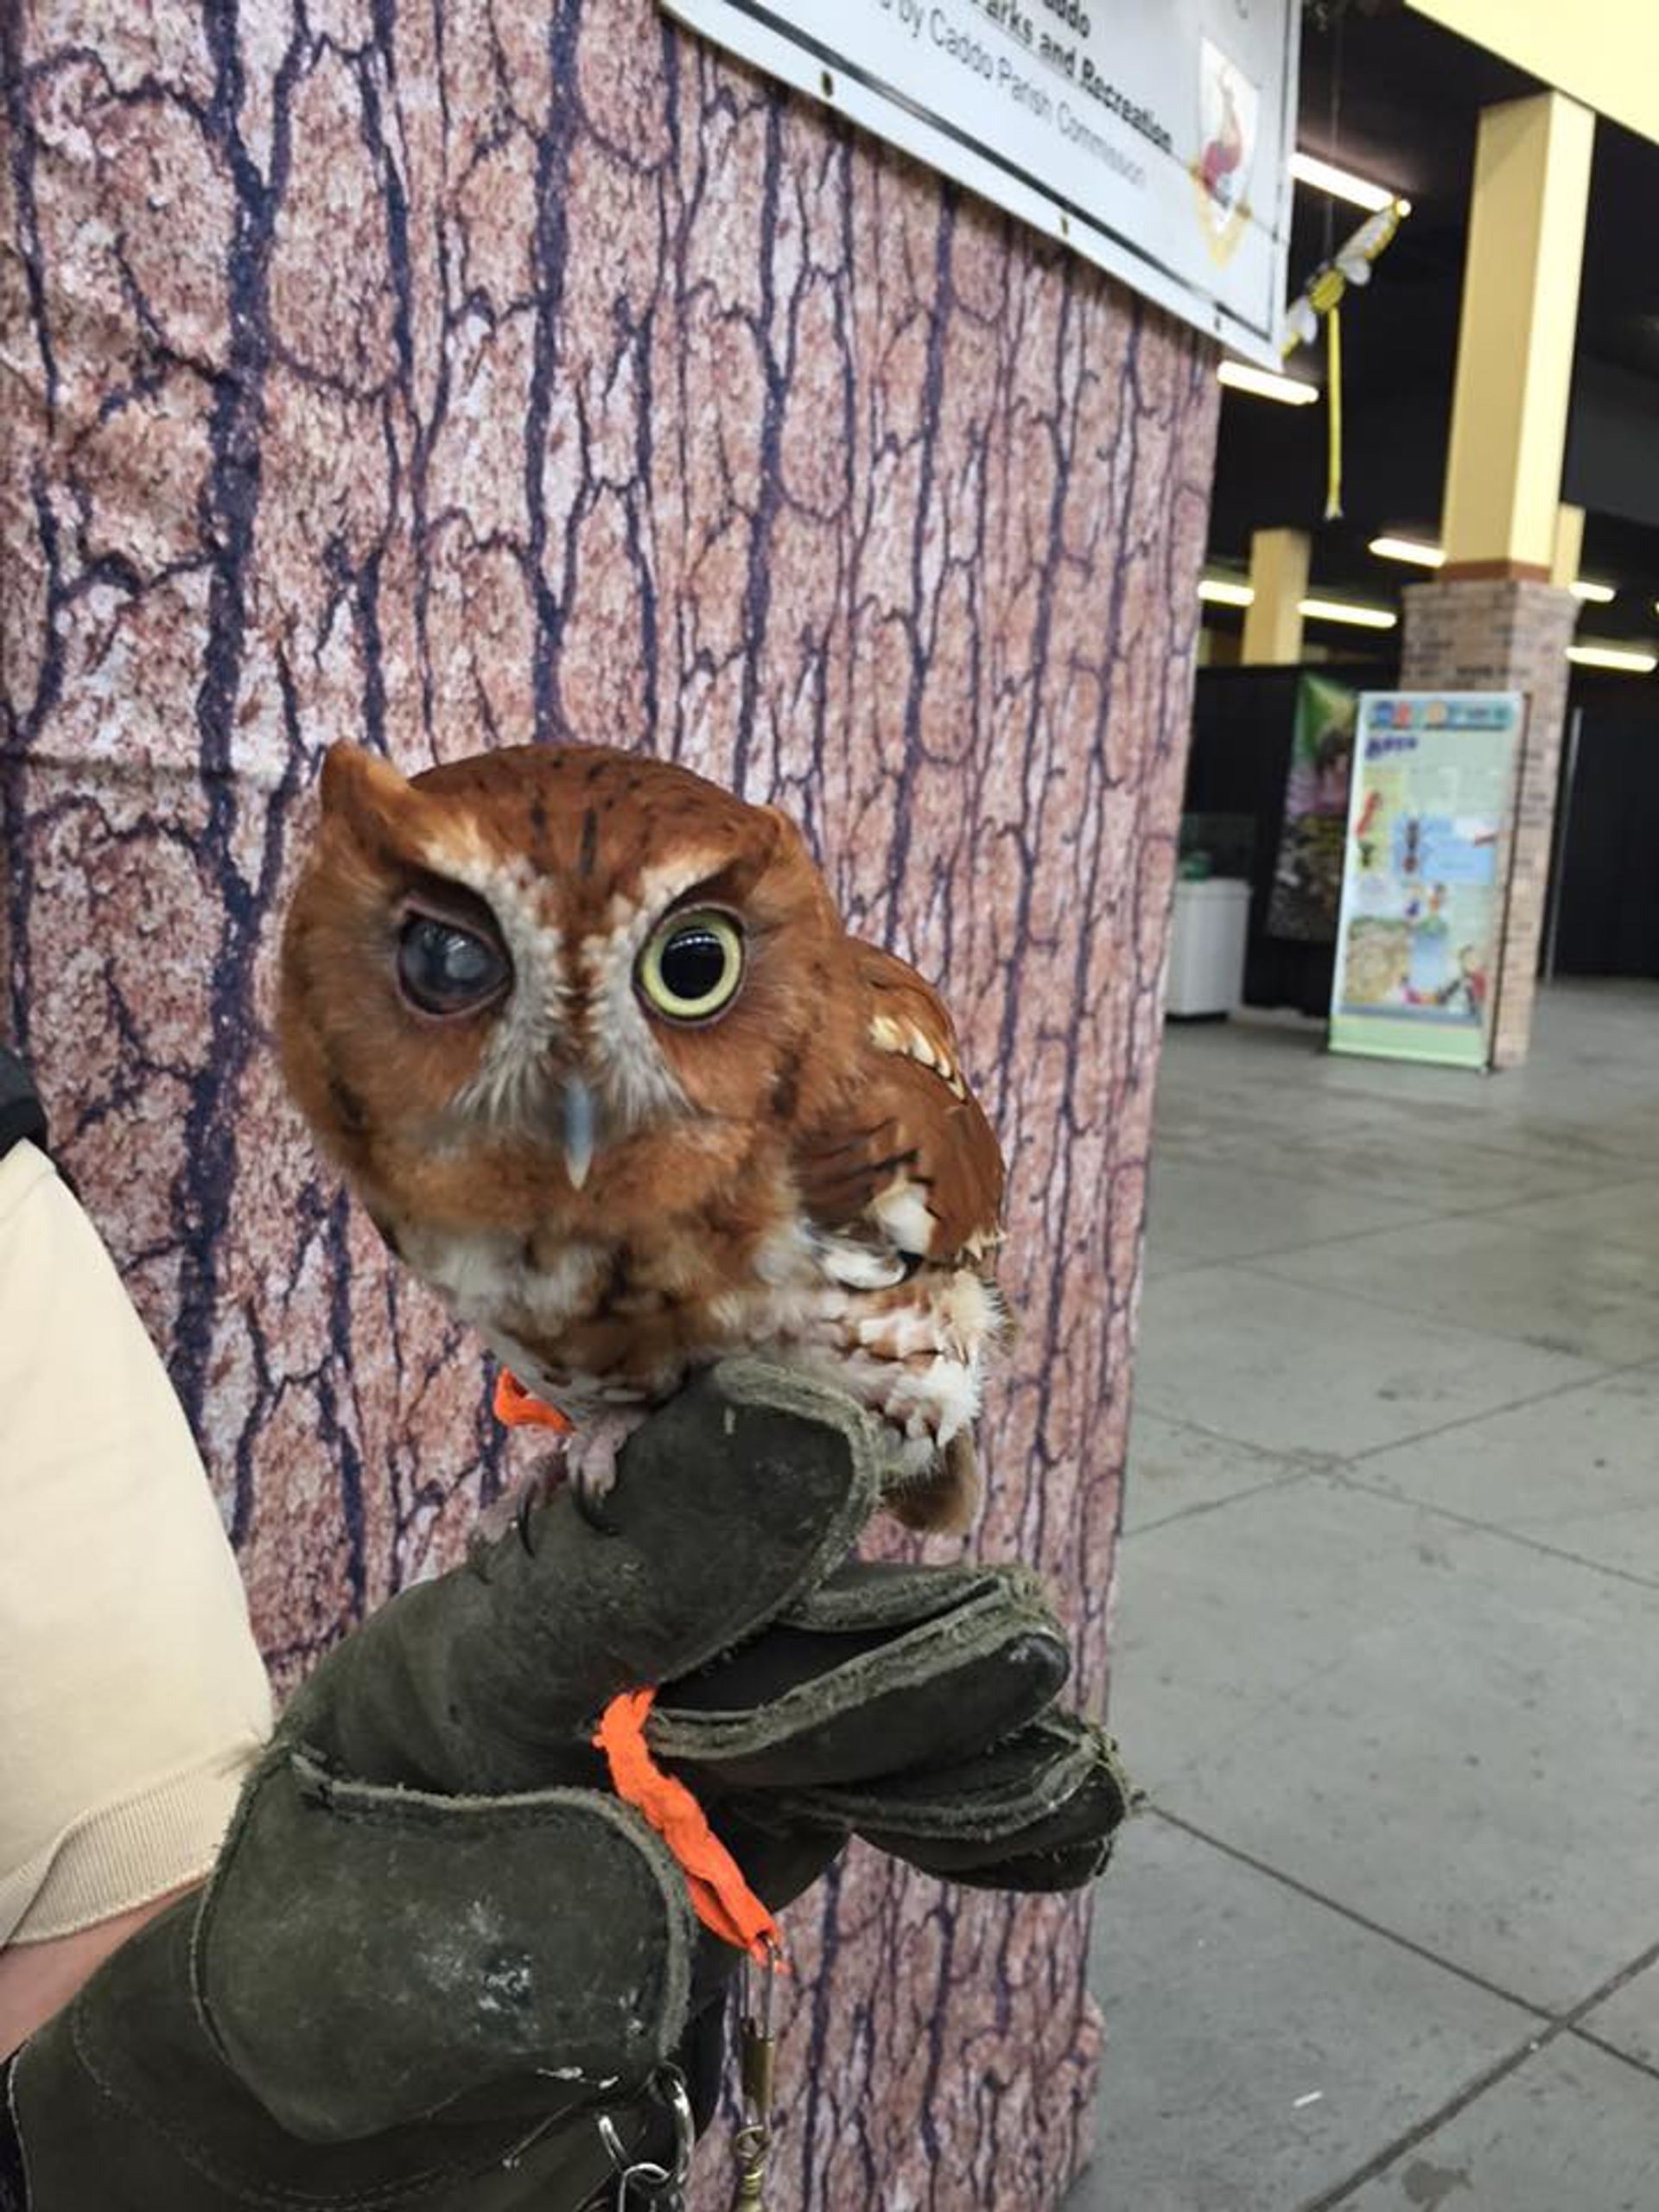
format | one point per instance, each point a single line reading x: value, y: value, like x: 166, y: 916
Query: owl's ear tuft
x: 790, y: 859
x: 787, y: 835
x: 364, y: 797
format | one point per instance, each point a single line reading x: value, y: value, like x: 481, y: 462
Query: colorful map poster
x: 1424, y: 883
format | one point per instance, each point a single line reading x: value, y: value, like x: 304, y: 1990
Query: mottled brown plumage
x: 587, y: 1036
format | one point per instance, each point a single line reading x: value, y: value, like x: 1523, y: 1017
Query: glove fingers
x: 801, y: 1706
x: 1037, y: 1811
x: 994, y: 1794
x: 1039, y: 1875
x: 1068, y: 1844
x: 883, y: 1594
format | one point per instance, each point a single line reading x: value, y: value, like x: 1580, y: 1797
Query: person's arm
x: 132, y: 1699
x: 37, y: 1980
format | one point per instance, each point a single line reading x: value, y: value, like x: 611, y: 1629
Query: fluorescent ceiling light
x: 1627, y: 661
x: 1431, y: 557
x: 1406, y: 548
x: 1222, y: 592
x: 1342, y: 184
x: 1267, y: 384
x: 1344, y: 610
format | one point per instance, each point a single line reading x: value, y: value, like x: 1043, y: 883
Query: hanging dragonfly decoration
x: 1320, y: 302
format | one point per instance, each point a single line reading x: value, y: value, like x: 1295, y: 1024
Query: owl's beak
x: 579, y: 1122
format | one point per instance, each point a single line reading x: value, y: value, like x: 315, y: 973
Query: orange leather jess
x: 516, y: 1408
x: 721, y: 1898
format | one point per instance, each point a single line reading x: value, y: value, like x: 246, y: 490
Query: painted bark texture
x: 456, y: 374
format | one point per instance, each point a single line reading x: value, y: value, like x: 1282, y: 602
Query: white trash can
x: 1206, y: 947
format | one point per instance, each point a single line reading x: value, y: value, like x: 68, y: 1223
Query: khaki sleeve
x: 132, y: 1695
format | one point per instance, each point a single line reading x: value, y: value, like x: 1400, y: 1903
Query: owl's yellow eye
x: 691, y: 968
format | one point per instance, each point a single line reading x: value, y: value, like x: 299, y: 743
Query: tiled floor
x: 1388, y: 1636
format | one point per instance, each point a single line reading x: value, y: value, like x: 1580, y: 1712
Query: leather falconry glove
x: 437, y: 1946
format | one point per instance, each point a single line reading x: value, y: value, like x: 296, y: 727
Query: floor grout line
x: 1564, y: 2024
x: 1606, y: 1373
x: 1493, y: 1529
x: 1471, y: 2092
x: 1306, y: 1245
x: 1612, y: 2051
x: 1214, y: 1504
x: 1411, y: 1220
x: 1619, y: 1979
x: 1377, y: 1305
x: 1351, y: 1913
x: 1238, y: 1443
x: 1305, y: 1462
x: 1415, y: 1213
x: 1167, y: 1266
x: 1411, y: 1217
x: 1343, y: 1472
x: 1334, y: 1463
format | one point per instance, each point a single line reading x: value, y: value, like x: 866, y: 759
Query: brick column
x: 1503, y: 634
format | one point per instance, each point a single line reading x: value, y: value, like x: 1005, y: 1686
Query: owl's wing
x: 911, y: 1172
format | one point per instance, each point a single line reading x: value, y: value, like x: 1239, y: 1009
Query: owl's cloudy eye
x: 444, y: 968
x: 691, y: 968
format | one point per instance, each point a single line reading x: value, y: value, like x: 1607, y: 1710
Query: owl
x: 587, y: 1036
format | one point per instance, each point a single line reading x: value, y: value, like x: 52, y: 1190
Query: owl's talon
x: 590, y: 1497
x: 590, y: 1461
x: 521, y: 1522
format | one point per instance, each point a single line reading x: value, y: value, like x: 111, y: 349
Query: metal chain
x: 752, y: 2146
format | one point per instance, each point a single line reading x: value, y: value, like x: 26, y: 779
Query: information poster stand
x: 1425, y: 877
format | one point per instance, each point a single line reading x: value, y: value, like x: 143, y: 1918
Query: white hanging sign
x: 1154, y: 136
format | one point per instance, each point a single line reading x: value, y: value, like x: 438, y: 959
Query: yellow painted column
x: 1273, y: 620
x: 1515, y: 342
x: 1569, y: 546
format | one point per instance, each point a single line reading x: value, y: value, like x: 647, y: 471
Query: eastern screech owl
x: 588, y: 1038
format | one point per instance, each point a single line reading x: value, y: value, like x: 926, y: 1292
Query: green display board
x: 1308, y: 872
x: 1424, y: 877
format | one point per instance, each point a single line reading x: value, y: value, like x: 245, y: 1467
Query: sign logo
x: 1230, y: 108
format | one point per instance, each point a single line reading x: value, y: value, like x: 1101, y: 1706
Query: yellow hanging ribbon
x: 1352, y: 264
x: 1333, y: 414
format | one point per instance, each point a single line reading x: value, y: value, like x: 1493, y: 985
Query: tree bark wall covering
x: 456, y: 374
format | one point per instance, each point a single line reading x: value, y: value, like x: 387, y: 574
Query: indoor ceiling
x: 1390, y: 95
